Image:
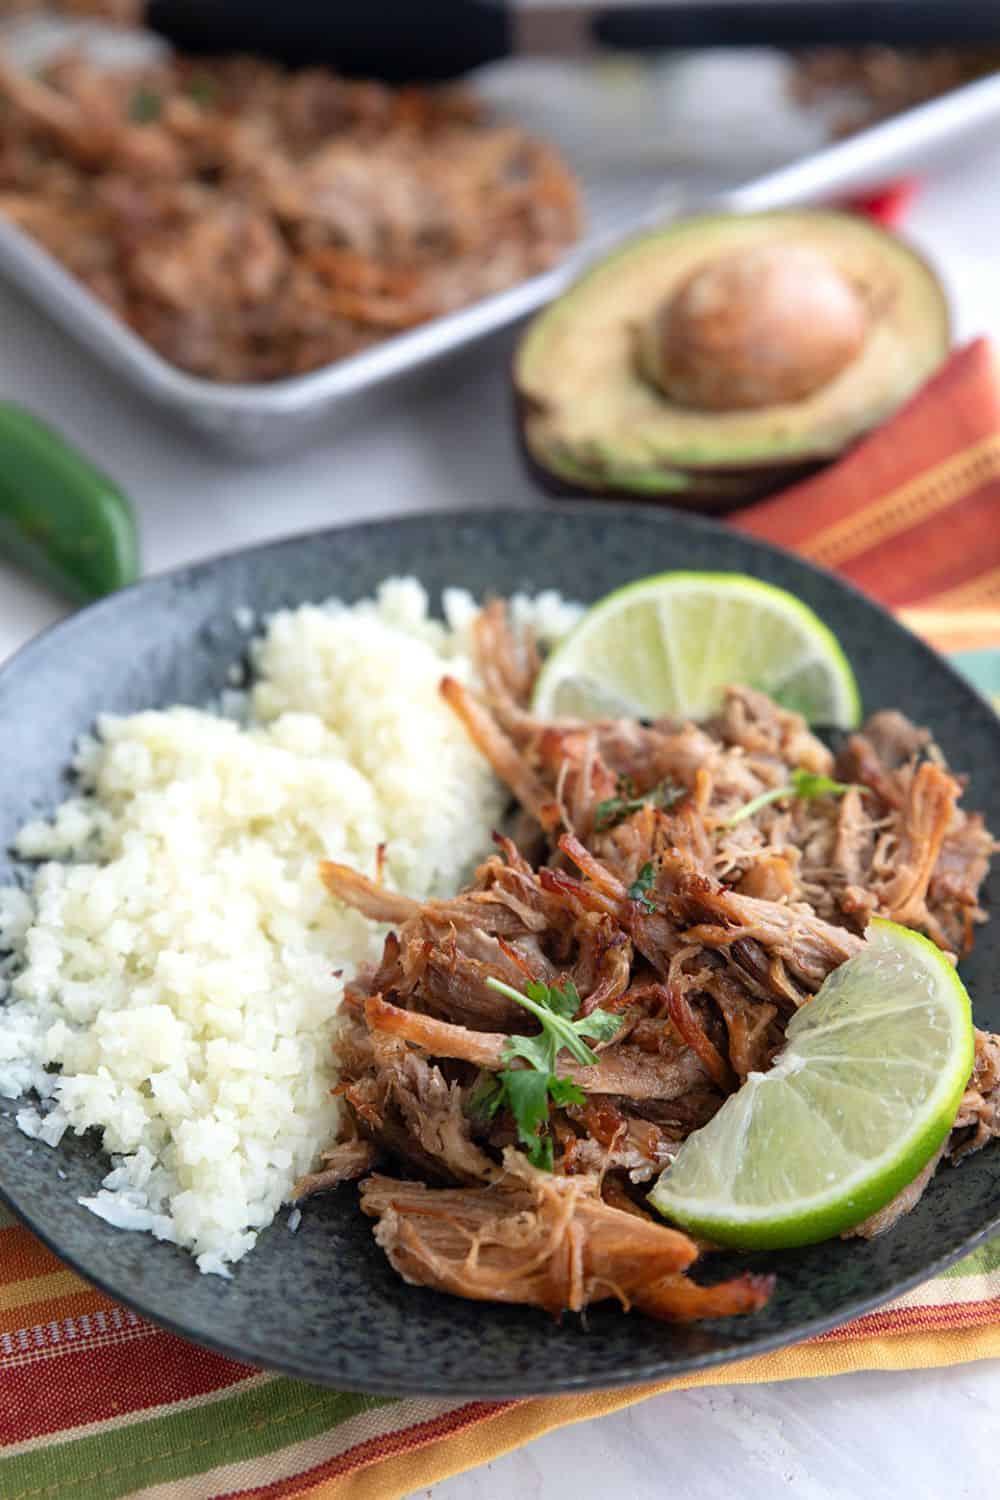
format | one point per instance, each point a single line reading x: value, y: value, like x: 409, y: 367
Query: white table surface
x: 928, y: 1435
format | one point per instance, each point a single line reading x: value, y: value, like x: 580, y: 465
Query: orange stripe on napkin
x: 16, y: 1296
x: 954, y: 629
x: 21, y: 1255
x: 981, y: 593
x: 914, y: 510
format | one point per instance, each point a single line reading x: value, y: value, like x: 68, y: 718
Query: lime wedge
x: 671, y: 644
x: 864, y: 1092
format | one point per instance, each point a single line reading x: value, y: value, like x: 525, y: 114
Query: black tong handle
x: 438, y: 39
x: 395, y: 40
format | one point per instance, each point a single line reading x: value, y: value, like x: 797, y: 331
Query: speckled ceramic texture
x: 323, y: 1304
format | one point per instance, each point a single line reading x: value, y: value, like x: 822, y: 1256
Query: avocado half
x: 710, y: 490
x: 724, y: 356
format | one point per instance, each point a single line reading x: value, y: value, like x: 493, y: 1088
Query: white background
x: 442, y: 442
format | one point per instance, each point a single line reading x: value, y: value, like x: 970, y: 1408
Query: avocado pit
x: 761, y: 326
x: 718, y: 358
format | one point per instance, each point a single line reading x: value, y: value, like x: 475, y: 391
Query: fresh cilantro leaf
x: 526, y: 1092
x: 563, y: 1000
x: 487, y: 1095
x: 614, y: 809
x: 808, y: 785
x: 528, y: 1100
x: 557, y: 1029
x: 144, y: 106
x: 539, y: 1051
x: 802, y: 783
x: 540, y: 1153
x: 599, y: 1026
x: 564, y: 1091
x: 642, y: 884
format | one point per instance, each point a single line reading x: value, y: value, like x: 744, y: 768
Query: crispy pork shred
x: 979, y: 1112
x: 699, y: 933
x: 343, y: 1163
x: 252, y: 223
x: 546, y: 1240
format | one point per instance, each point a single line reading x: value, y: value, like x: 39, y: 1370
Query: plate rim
x: 514, y: 1388
x: 636, y: 1372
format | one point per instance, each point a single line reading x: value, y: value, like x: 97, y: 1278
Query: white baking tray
x: 649, y: 141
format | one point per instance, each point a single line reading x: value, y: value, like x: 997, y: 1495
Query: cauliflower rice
x: 172, y: 975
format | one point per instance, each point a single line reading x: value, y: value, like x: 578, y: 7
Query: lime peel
x: 783, y: 1163
x: 671, y: 644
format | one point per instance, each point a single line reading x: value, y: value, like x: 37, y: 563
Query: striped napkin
x: 95, y: 1403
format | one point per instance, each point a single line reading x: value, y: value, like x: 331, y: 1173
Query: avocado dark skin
x: 722, y: 358
x: 711, y: 493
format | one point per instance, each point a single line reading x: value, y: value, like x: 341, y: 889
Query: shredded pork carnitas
x: 252, y: 223
x: 700, y: 931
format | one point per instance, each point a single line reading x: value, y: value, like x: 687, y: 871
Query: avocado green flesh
x: 706, y: 489
x: 656, y: 481
x: 586, y: 405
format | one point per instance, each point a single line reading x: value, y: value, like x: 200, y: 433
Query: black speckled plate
x: 323, y: 1304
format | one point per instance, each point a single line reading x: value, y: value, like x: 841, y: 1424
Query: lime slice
x: 864, y: 1092
x: 671, y: 644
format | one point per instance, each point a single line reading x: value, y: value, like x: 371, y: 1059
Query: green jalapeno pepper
x: 60, y: 516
